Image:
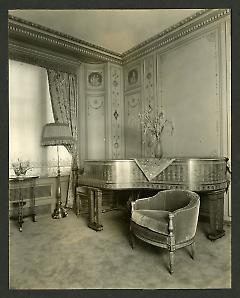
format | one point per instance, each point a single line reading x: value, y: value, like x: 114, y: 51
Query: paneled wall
x: 133, y: 135
x: 189, y: 85
x: 95, y: 111
x: 187, y: 80
x: 190, y: 80
x: 185, y: 71
x: 115, y: 113
x: 140, y: 95
x: 132, y: 108
x: 101, y: 111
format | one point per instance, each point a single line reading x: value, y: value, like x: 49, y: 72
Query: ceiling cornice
x: 181, y: 29
x: 38, y: 56
x: 37, y: 36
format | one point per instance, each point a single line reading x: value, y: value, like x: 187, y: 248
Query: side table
x: 20, y: 180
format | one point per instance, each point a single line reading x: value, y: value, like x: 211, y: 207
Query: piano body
x: 206, y: 176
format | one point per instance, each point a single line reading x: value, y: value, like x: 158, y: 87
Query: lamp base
x: 59, y: 212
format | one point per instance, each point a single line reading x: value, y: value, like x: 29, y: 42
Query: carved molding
x: 42, y: 37
x: 48, y: 38
x: 181, y: 29
x: 38, y: 56
x: 95, y: 79
x: 116, y: 111
x: 149, y: 99
x: 95, y: 103
x: 149, y: 82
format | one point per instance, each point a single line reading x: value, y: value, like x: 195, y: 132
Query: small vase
x: 158, y: 150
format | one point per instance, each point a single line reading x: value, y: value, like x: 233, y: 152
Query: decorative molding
x: 146, y: 185
x: 41, y: 57
x: 181, y: 29
x: 116, y: 109
x: 149, y: 98
x: 211, y: 37
x: 95, y: 79
x: 95, y: 102
x: 44, y: 37
x: 149, y: 82
x: 133, y: 76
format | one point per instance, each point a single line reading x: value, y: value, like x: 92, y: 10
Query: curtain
x: 63, y: 93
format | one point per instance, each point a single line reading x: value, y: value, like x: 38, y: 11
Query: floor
x: 66, y: 254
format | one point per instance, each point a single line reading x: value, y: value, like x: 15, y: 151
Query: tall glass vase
x: 158, y: 149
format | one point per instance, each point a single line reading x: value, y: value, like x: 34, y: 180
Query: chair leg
x: 193, y: 250
x: 171, y: 261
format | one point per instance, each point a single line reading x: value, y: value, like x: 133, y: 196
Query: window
x: 30, y: 109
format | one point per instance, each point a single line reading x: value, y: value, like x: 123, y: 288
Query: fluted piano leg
x: 95, y: 209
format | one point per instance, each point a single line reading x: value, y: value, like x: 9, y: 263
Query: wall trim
x: 42, y: 37
x: 181, y: 29
x: 40, y: 57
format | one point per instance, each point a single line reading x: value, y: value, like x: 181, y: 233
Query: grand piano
x: 206, y: 176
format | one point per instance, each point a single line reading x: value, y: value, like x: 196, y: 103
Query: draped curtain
x: 63, y: 93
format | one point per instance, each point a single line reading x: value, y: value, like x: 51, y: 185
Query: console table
x: 20, y: 180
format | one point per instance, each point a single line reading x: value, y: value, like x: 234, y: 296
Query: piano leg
x: 95, y: 209
x: 98, y: 213
x: 216, y: 211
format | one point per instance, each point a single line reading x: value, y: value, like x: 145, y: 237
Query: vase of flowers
x: 155, y: 125
x: 158, y: 150
x: 21, y: 167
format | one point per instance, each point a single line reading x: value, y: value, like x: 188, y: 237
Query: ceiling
x: 118, y: 30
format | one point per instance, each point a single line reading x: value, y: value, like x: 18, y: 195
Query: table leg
x: 98, y: 202
x: 33, y: 204
x: 20, y: 210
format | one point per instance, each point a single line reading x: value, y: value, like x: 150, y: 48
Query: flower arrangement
x: 155, y: 125
x: 20, y: 167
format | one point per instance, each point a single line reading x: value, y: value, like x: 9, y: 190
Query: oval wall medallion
x: 133, y: 102
x: 149, y: 75
x: 95, y: 79
x: 96, y: 103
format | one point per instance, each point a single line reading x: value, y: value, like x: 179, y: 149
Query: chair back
x: 184, y: 205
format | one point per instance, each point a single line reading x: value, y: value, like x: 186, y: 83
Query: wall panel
x: 115, y: 122
x: 133, y: 134
x: 101, y: 123
x: 95, y: 105
x: 95, y: 127
x: 190, y: 79
x: 189, y: 87
x: 149, y: 99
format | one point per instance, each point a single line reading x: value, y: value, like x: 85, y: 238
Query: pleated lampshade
x: 56, y: 134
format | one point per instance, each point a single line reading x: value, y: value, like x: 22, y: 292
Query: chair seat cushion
x: 155, y: 220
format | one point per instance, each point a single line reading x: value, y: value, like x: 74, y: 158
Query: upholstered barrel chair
x: 167, y: 220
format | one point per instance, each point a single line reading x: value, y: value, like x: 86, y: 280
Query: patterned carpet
x: 66, y: 254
